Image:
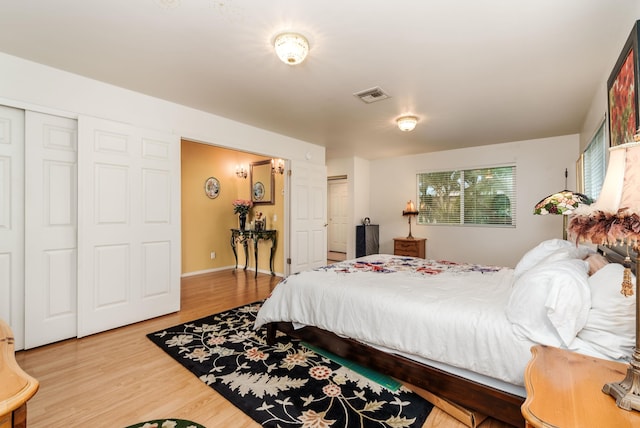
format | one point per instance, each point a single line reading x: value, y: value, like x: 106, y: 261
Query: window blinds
x: 595, y: 163
x: 484, y: 196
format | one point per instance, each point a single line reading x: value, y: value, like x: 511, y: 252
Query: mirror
x: 262, y: 183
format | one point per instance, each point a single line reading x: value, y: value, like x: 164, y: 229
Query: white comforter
x: 445, y: 312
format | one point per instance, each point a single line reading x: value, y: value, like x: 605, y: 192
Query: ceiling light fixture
x: 407, y: 123
x: 291, y: 48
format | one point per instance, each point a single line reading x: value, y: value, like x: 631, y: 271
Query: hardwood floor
x: 333, y: 256
x: 118, y: 378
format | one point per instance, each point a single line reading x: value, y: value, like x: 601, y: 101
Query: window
x: 485, y: 196
x: 594, y: 167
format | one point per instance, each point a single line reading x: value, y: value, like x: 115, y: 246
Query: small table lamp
x: 562, y: 203
x: 614, y: 220
x: 410, y: 210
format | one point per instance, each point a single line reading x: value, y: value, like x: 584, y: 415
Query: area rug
x: 167, y: 423
x: 284, y: 385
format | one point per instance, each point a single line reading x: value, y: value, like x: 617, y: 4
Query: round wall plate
x: 212, y: 187
x: 258, y: 191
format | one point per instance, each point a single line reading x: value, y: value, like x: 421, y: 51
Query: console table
x: 244, y: 236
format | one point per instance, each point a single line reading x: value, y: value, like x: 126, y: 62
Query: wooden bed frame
x: 467, y: 393
x: 489, y: 401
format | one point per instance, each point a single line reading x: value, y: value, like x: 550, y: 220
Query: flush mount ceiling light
x: 407, y: 123
x: 291, y: 48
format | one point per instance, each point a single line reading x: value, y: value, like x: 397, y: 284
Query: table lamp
x: 409, y: 211
x: 562, y: 203
x: 614, y: 220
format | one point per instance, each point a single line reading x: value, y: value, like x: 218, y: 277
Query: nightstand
x: 564, y: 389
x: 412, y: 247
x: 16, y: 386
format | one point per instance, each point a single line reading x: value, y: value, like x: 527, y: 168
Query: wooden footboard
x: 472, y: 395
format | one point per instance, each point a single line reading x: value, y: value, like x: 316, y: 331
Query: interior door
x: 12, y: 220
x: 338, y: 216
x: 129, y: 224
x: 50, y: 229
x: 308, y: 237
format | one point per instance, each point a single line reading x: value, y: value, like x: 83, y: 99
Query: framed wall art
x: 262, y: 183
x: 212, y: 187
x: 622, y: 93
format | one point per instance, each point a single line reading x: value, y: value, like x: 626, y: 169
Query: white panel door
x: 129, y: 224
x: 12, y: 221
x: 338, y: 215
x: 51, y: 210
x: 308, y: 235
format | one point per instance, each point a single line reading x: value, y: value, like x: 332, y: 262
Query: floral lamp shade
x: 563, y: 203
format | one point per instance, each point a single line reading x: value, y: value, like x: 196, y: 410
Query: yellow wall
x: 206, y: 222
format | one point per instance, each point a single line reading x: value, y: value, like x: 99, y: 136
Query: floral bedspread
x: 387, y: 264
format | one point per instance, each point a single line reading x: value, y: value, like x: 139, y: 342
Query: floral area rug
x: 167, y: 423
x: 284, y: 385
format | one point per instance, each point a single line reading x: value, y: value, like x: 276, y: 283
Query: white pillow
x: 550, y: 251
x: 550, y: 302
x: 610, y: 327
x: 572, y: 252
x: 539, y: 252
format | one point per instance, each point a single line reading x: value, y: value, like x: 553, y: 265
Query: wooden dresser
x: 564, y: 389
x: 16, y: 387
x: 413, y: 247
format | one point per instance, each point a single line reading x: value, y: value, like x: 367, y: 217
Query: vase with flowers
x: 242, y: 207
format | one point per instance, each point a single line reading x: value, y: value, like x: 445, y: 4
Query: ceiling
x: 475, y: 72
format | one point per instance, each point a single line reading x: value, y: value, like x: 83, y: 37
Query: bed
x: 461, y: 331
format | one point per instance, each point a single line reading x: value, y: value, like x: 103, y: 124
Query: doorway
x: 207, y: 219
x: 338, y: 193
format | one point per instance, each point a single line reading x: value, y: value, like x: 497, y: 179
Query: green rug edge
x: 384, y: 380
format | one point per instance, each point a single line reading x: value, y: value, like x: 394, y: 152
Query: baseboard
x: 205, y: 271
x: 202, y: 272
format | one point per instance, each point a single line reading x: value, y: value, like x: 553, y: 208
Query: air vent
x: 372, y: 95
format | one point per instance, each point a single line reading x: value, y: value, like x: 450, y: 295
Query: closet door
x: 128, y: 225
x: 50, y: 229
x: 308, y: 216
x: 12, y: 220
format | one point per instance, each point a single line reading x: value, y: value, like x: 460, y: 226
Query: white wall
x: 33, y: 86
x: 540, y: 166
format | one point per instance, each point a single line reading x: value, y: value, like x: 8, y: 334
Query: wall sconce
x: 277, y: 166
x: 241, y: 172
